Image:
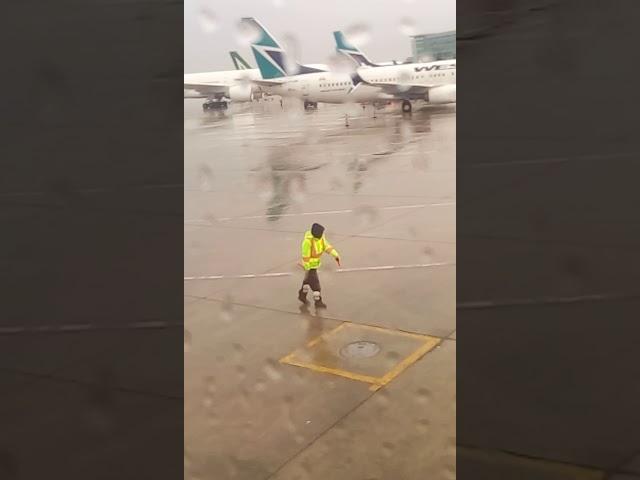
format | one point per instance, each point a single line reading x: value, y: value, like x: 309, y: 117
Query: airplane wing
x: 404, y: 90
x: 207, y: 89
x: 268, y: 83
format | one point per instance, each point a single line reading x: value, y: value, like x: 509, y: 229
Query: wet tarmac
x: 365, y: 388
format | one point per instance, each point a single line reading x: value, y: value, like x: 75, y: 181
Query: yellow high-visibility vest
x: 313, y: 248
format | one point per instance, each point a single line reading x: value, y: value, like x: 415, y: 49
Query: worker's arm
x: 306, y: 254
x: 329, y: 249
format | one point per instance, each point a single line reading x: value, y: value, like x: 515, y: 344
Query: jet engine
x: 240, y: 93
x: 442, y: 94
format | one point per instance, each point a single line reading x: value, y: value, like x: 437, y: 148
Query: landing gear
x: 406, y: 106
x: 215, y: 105
x: 310, y: 105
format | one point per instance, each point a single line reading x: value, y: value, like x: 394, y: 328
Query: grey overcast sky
x: 209, y: 37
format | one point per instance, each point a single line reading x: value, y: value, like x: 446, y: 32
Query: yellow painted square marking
x: 398, y: 350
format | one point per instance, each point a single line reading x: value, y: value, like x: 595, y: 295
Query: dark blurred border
x: 91, y: 207
x: 548, y: 240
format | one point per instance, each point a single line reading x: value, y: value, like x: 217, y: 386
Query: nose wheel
x: 406, y: 106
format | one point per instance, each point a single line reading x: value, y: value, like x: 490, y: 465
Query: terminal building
x: 434, y: 46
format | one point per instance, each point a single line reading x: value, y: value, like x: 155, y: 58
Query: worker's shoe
x: 302, y: 296
x: 320, y: 304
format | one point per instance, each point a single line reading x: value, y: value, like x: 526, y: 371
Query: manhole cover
x: 361, y: 349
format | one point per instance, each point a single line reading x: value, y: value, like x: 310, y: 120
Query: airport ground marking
x: 340, y: 270
x: 312, y: 342
x: 428, y: 343
x: 322, y: 212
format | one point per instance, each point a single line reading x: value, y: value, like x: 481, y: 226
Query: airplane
x: 433, y: 82
x: 282, y: 76
x: 219, y: 87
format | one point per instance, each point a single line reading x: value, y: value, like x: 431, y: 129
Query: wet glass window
x: 327, y: 350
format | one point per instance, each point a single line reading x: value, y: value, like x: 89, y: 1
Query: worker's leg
x: 302, y: 293
x: 314, y: 283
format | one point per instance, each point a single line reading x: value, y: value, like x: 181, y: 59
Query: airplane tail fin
x: 239, y: 62
x: 270, y: 55
x: 346, y: 48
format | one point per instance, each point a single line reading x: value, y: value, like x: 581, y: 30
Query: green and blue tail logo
x: 239, y: 62
x: 346, y: 48
x: 270, y: 56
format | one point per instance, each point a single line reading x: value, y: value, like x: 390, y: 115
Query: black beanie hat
x: 317, y: 230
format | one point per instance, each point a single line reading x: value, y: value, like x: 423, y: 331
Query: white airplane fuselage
x: 442, y: 72
x: 327, y: 87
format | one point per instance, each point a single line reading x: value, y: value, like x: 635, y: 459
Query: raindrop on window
x: 407, y: 26
x: 208, y: 20
x: 423, y: 395
x: 291, y: 46
x: 427, y: 255
x: 246, y: 33
x: 336, y: 184
x: 341, y: 64
x: 404, y: 80
x: 358, y: 34
x: 226, y: 309
x: 422, y: 425
x: 205, y: 177
x: 392, y: 356
x: 210, y: 385
x: 366, y: 214
x: 382, y: 397
x: 388, y: 448
x: 272, y: 370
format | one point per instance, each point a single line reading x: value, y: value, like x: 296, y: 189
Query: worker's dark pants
x: 311, y: 279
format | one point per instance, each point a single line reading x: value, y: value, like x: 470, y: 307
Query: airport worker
x: 314, y: 245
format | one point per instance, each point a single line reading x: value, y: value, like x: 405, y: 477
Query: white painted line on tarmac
x: 394, y: 267
x: 328, y: 212
x: 340, y: 270
x: 230, y: 277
